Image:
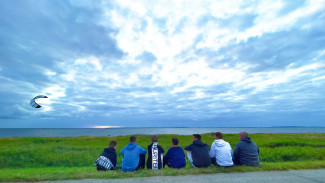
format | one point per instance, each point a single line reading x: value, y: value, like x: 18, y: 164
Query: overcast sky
x: 218, y: 63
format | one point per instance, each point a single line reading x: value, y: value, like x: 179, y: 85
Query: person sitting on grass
x: 175, y: 157
x: 133, y: 156
x: 198, y: 152
x: 246, y: 151
x: 155, y: 154
x: 107, y: 160
x: 221, y: 152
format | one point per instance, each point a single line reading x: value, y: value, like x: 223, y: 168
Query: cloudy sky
x: 218, y: 63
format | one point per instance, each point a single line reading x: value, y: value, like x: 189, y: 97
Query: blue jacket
x: 175, y: 157
x: 246, y: 152
x: 131, y: 153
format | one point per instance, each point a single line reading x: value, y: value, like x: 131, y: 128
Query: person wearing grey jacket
x: 246, y: 151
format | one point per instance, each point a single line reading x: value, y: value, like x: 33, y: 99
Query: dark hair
x: 112, y: 143
x: 198, y: 136
x: 219, y: 135
x: 175, y: 141
x: 133, y: 139
x: 154, y: 138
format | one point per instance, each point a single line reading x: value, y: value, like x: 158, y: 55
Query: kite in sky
x: 34, y: 104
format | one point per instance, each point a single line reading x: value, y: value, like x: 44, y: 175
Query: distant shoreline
x: 177, y: 127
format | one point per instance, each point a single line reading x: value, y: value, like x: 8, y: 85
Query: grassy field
x: 35, y: 159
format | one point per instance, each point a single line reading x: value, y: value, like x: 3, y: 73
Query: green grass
x: 35, y: 159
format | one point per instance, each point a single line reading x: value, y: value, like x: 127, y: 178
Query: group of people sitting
x: 198, y: 153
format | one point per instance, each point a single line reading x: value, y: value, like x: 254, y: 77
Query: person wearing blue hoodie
x: 133, y: 156
x: 246, y: 151
x: 221, y: 152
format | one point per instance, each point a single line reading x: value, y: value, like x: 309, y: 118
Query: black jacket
x: 149, y: 161
x: 200, y: 153
x: 110, y: 153
x: 246, y: 152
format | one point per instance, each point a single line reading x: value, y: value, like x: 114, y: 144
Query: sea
x: 76, y: 132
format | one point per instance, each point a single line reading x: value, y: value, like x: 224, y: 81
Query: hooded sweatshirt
x: 222, y: 151
x: 247, y: 152
x: 131, y: 153
x: 160, y: 152
x: 200, y: 153
x: 110, y: 153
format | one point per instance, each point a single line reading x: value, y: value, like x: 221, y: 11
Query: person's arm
x: 212, y: 151
x: 142, y: 151
x: 232, y: 152
x: 237, y: 152
x: 258, y: 150
x: 188, y: 148
x: 122, y: 152
x: 183, y: 152
x: 167, y: 154
x: 162, y: 150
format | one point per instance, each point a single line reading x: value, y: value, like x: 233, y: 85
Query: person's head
x: 218, y: 135
x: 154, y: 138
x: 196, y: 137
x: 133, y: 139
x: 175, y: 141
x: 243, y: 135
x: 112, y: 144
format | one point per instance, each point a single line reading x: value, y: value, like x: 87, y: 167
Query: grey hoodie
x: 247, y: 152
x: 222, y: 151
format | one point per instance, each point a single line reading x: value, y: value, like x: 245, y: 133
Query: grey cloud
x: 275, y: 51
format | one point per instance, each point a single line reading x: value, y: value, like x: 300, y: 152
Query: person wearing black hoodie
x: 246, y: 151
x: 107, y: 160
x: 160, y: 153
x: 198, y: 152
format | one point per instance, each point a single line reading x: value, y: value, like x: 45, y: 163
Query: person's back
x: 107, y: 159
x: 246, y: 151
x: 157, y: 157
x: 131, y: 156
x: 175, y: 157
x: 221, y: 151
x: 199, y: 152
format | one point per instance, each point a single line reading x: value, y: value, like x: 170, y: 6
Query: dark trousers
x: 214, y: 162
x: 166, y: 162
x: 100, y: 168
x: 142, y: 162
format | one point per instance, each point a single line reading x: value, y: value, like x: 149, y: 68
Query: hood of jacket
x: 131, y: 146
x: 109, y: 150
x: 199, y: 143
x: 219, y: 143
x: 247, y: 139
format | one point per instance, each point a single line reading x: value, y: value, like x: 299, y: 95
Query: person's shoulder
x: 254, y: 143
x: 188, y: 146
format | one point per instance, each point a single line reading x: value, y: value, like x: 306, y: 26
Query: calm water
x: 75, y: 132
